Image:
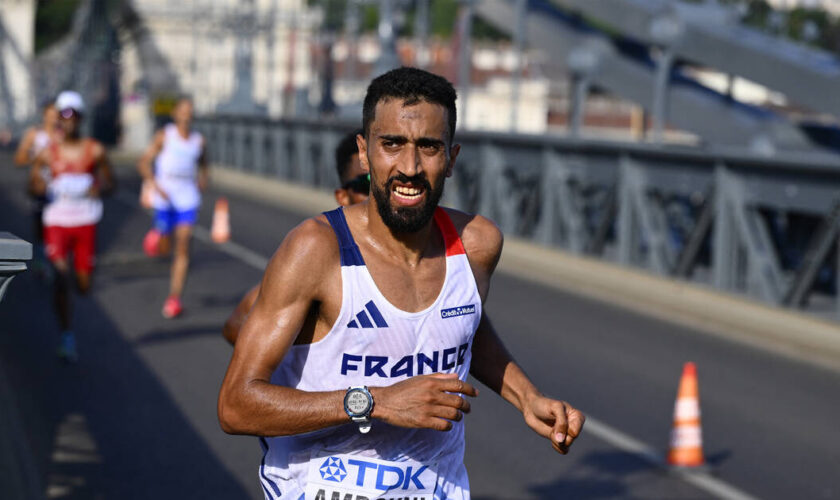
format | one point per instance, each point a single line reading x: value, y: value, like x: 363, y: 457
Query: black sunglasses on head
x: 360, y: 184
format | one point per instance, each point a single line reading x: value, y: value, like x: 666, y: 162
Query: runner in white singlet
x: 35, y: 140
x: 352, y: 364
x: 180, y: 173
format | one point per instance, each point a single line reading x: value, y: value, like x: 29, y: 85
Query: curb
x: 708, y: 311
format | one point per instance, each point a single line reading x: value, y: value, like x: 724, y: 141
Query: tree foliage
x: 53, y: 19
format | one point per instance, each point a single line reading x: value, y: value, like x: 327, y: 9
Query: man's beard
x: 406, y: 219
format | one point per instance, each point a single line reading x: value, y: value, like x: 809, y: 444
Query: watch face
x: 356, y: 402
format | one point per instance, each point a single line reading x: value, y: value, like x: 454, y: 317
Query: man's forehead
x: 391, y: 111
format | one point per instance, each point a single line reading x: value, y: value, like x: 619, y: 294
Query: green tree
x: 53, y: 19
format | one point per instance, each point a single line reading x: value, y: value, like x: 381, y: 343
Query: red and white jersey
x: 69, y: 204
x: 176, y: 170
x: 374, y: 343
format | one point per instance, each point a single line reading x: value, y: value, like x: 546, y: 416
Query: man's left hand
x: 555, y: 420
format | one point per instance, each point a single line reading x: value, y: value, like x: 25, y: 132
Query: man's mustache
x: 415, y: 179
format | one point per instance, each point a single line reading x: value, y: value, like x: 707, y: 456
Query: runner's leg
x: 181, y: 259
x: 57, y: 244
x: 84, y: 253
x: 166, y: 226
x: 61, y: 293
x: 59, y: 240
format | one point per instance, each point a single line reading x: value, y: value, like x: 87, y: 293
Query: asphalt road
x: 136, y: 418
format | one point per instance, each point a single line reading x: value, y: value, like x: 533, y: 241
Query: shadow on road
x: 602, y: 474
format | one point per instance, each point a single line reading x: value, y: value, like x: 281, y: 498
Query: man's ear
x: 361, y: 144
x: 342, y: 197
x: 453, y: 155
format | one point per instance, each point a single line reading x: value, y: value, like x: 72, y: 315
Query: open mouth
x: 408, y: 194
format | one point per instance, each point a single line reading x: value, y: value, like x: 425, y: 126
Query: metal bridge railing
x: 763, y: 226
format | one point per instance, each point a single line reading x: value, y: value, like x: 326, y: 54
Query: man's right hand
x: 425, y: 402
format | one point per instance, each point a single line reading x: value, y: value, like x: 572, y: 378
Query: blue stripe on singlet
x: 350, y: 255
x: 376, y: 315
x: 363, y: 320
x: 264, y: 478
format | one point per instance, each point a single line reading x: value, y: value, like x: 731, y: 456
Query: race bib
x: 355, y: 477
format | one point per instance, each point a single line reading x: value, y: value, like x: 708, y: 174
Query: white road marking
x: 699, y: 479
x: 233, y: 249
x: 74, y: 446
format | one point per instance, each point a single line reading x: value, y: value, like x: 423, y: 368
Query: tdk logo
x: 351, y: 477
x: 457, y: 311
x: 383, y: 477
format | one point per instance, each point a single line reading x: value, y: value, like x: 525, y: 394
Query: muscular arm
x: 237, y: 318
x: 248, y: 402
x: 144, y: 165
x: 493, y: 365
x: 23, y: 156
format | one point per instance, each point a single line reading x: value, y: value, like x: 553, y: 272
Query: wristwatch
x: 358, y: 403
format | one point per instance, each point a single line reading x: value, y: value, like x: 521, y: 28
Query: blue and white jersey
x: 374, y: 343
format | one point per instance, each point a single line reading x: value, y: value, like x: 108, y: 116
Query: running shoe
x: 151, y: 243
x: 172, y: 307
x: 67, y: 347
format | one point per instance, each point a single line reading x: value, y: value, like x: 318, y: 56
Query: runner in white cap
x: 80, y: 174
x: 180, y: 174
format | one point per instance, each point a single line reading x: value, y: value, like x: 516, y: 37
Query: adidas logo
x: 365, y: 321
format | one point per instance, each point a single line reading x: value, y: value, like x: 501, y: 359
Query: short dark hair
x: 412, y: 85
x: 344, y: 152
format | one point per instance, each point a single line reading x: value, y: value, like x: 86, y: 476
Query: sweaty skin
x: 300, y: 299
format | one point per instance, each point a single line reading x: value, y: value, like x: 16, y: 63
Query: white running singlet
x: 374, y: 343
x: 176, y: 170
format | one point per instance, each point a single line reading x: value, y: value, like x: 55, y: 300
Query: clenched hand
x: 426, y: 401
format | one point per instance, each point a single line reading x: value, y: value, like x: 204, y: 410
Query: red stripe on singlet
x: 450, y: 234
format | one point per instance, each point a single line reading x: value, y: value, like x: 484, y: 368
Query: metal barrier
x: 763, y: 226
x: 14, y: 252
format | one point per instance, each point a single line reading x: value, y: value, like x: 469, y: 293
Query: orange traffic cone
x: 220, y: 229
x: 686, y: 449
